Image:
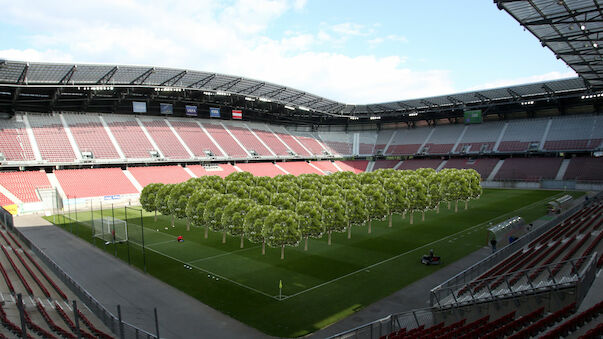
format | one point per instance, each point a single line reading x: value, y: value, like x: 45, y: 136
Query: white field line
x: 224, y: 254
x: 410, y: 251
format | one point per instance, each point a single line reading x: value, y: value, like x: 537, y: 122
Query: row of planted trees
x: 284, y: 210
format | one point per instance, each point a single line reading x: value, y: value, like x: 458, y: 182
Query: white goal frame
x: 110, y: 229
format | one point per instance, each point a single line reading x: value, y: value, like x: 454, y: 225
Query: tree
x: 283, y: 201
x: 237, y: 188
x: 212, y: 216
x: 375, y: 203
x: 454, y: 184
x: 260, y: 195
x: 254, y: 224
x: 391, y: 188
x: 309, y: 195
x: 266, y: 182
x: 179, y: 198
x: 162, y: 198
x: 474, y: 187
x: 334, y: 216
x: 280, y: 230
x: 355, y: 208
x: 434, y: 187
x: 196, y: 207
x: 245, y: 177
x: 415, y: 189
x: 148, y: 197
x: 310, y: 220
x: 233, y: 217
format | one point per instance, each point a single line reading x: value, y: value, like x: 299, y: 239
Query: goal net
x: 110, y: 230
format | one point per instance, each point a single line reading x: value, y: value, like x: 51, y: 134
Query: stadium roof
x: 572, y: 29
x: 203, y: 87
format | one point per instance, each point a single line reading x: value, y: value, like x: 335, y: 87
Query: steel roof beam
x: 202, y: 82
x: 69, y: 75
x: 228, y: 85
x: 108, y: 76
x: 174, y: 79
x: 139, y: 80
x: 293, y: 97
x: 251, y: 89
x: 23, y: 77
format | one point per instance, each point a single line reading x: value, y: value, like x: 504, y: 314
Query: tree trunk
x: 412, y: 213
x: 390, y: 221
x: 466, y: 203
x: 173, y: 217
x: 224, y: 237
x: 438, y: 209
x: 456, y: 206
x: 263, y: 247
x: 404, y: 215
x: 155, y: 215
x: 306, y: 245
x: 329, y: 242
x: 188, y: 224
x: 206, y: 231
x: 423, y: 216
x: 449, y: 205
x: 370, y: 225
x: 242, y: 241
x: 349, y: 231
x: 282, y: 252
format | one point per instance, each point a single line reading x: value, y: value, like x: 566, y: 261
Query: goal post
x: 111, y: 230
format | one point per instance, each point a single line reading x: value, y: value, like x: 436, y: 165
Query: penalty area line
x: 413, y: 250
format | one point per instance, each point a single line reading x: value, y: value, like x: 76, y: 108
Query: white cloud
x: 523, y: 80
x: 207, y: 36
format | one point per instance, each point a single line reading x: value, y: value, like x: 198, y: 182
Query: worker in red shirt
x: 180, y: 238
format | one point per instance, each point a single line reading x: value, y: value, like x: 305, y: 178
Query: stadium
x: 156, y: 202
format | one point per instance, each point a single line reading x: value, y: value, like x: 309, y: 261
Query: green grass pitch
x: 320, y: 286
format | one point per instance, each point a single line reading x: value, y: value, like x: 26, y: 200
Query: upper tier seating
x: 261, y: 169
x: 298, y: 167
x: 533, y: 169
x: 23, y: 184
x: 337, y: 142
x: 221, y: 170
x: 585, y: 169
x: 129, y: 136
x: 443, y: 139
x: 290, y: 141
x: 248, y: 140
x: 326, y: 166
x: 14, y: 142
x: 310, y: 142
x: 165, y: 139
x: 270, y: 139
x: 407, y: 141
x: 366, y: 142
x: 356, y: 166
x: 194, y: 137
x: 223, y: 138
x: 575, y: 133
x: 51, y: 138
x: 159, y: 174
x: 382, y: 140
x: 483, y: 166
x: 521, y: 133
x: 95, y: 182
x: 478, y: 135
x: 91, y: 136
x: 414, y: 164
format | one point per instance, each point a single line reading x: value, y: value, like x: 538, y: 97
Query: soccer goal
x: 111, y: 230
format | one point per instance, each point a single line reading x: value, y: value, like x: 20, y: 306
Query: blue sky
x: 351, y: 51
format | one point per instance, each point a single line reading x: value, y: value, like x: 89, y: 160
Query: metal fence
x: 114, y: 323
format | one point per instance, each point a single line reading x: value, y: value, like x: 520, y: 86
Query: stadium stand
x: 326, y: 166
x: 309, y: 141
x: 443, y: 139
x: 483, y: 166
x: 408, y: 141
x: 250, y: 141
x: 290, y: 141
x: 5, y: 201
x: 382, y: 140
x: 585, y: 169
x: 90, y: 135
x: 530, y: 169
x: 14, y: 142
x: 520, y: 134
x: 366, y: 142
x: 574, y: 133
x: 270, y: 139
x: 23, y: 184
x: 298, y: 167
x: 414, y: 164
x: 261, y: 169
x: 130, y: 137
x: 196, y: 140
x: 223, y: 138
x: 479, y: 138
x: 159, y: 174
x: 221, y: 170
x: 94, y: 182
x: 51, y: 138
x: 385, y: 164
x: 337, y: 142
x: 165, y: 139
x: 355, y: 166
